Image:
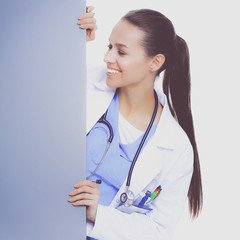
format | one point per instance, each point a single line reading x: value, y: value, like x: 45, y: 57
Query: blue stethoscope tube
x: 143, y: 140
x: 105, y: 121
x: 111, y: 135
x: 127, y: 197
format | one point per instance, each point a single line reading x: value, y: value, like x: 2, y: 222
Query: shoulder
x: 170, y: 136
x: 182, y: 141
x: 169, y: 132
x: 183, y: 155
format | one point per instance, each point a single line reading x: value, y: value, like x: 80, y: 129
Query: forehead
x: 127, y: 34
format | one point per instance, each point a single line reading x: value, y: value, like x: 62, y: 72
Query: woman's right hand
x: 88, y: 22
x: 86, y: 193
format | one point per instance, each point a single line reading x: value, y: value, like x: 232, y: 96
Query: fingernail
x: 69, y: 199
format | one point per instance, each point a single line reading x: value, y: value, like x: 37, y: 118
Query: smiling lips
x: 111, y: 71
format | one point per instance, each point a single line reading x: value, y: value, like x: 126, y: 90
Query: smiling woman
x: 143, y: 147
x: 127, y: 57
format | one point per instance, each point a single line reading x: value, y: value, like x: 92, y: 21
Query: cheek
x: 132, y: 64
x: 134, y: 69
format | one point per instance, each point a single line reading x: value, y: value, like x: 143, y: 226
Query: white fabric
x: 127, y: 132
x: 166, y: 160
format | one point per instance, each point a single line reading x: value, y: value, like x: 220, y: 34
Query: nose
x: 109, y: 56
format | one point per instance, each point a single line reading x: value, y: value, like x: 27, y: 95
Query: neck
x: 137, y: 105
x: 135, y: 102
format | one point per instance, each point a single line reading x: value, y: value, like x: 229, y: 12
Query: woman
x: 152, y: 164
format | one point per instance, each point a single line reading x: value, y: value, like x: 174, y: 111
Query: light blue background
x: 42, y: 119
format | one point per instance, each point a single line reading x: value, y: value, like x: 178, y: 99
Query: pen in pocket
x: 155, y: 194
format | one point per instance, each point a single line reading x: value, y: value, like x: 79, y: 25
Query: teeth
x: 112, y: 71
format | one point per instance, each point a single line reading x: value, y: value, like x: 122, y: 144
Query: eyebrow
x: 120, y: 44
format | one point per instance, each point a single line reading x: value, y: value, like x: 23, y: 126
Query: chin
x: 111, y: 84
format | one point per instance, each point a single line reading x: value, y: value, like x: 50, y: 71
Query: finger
x: 83, y: 203
x: 86, y: 21
x: 88, y: 26
x: 84, y: 189
x: 90, y: 8
x: 86, y: 15
x: 82, y: 196
x: 86, y: 183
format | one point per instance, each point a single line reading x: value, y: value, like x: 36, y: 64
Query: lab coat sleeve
x: 161, y: 221
x: 96, y: 77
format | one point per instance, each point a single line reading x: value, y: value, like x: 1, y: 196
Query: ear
x: 156, y: 62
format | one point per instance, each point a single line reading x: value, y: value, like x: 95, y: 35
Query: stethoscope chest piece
x: 127, y: 198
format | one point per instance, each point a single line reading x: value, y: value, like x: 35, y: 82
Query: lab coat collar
x: 164, y: 136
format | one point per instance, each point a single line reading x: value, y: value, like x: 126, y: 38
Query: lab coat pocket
x: 133, y: 208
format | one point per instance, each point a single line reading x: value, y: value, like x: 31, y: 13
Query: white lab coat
x: 166, y: 160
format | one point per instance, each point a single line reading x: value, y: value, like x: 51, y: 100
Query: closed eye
x: 119, y: 51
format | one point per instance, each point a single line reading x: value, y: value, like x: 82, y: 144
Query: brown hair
x: 160, y: 38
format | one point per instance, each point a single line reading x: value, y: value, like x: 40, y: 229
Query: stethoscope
x: 127, y: 197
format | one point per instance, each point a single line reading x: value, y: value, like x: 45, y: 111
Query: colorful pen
x: 155, y: 193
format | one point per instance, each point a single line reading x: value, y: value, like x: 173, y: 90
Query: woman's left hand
x: 88, y: 22
x: 87, y: 194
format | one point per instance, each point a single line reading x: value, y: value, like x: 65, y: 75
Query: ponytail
x: 160, y: 37
x: 176, y: 86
